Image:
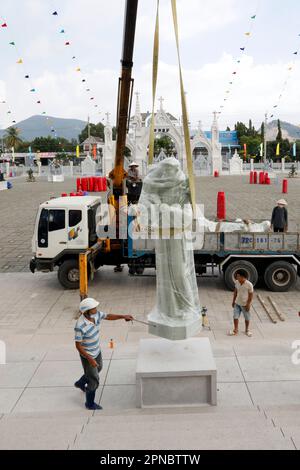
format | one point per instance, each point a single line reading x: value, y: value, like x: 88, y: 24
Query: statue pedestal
x: 176, y: 331
x: 174, y: 374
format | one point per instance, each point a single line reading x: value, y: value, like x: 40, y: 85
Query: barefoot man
x: 242, y: 299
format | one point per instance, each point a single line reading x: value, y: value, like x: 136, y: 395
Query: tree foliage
x: 12, y: 138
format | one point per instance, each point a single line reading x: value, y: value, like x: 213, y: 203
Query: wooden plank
x: 270, y: 314
x: 276, y: 309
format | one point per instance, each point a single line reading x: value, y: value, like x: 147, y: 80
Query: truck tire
x: 234, y: 267
x: 280, y: 276
x: 68, y: 274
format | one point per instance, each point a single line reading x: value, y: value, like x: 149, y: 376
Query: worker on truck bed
x: 87, y: 343
x: 279, y: 220
x: 242, y: 299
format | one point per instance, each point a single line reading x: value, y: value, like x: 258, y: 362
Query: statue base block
x: 175, y: 331
x: 175, y: 373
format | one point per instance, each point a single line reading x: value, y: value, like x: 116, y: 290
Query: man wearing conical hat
x: 279, y: 220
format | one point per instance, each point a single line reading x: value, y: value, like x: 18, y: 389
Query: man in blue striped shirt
x: 87, y: 341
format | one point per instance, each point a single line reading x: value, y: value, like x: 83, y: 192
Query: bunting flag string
x: 69, y: 44
x: 242, y: 51
x: 291, y: 66
x: 31, y: 88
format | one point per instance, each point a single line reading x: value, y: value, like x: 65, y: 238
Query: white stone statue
x: 166, y: 196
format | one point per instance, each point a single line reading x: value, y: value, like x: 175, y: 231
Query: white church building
x: 209, y: 160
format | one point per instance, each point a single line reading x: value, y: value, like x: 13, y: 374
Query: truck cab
x: 65, y: 227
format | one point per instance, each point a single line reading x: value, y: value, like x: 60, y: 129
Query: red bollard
x: 268, y: 180
x: 91, y: 184
x: 221, y: 206
x: 84, y: 184
x: 104, y: 183
x: 261, y: 177
x: 255, y: 177
x: 266, y: 176
x: 285, y: 186
x: 216, y: 174
x: 64, y: 195
x: 251, y: 177
x: 78, y: 183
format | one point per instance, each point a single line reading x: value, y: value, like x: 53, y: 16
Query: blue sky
x: 211, y: 33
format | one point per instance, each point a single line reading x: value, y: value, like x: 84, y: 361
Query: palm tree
x: 12, y: 138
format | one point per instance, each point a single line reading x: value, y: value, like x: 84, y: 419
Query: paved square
x: 258, y: 385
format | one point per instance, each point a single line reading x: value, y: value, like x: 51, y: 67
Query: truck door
x: 52, y: 233
x: 77, y: 233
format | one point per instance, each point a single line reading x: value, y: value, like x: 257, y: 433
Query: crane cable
x: 185, y: 121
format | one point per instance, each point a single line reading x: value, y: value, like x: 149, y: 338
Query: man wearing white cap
x: 87, y: 341
x: 279, y: 220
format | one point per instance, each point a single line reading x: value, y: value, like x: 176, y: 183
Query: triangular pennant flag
x: 272, y: 115
x: 3, y: 102
x: 26, y: 76
x: 55, y: 13
x: 242, y: 48
x: 8, y: 112
x: 12, y: 43
x: 14, y: 122
x: 295, y: 53
x: 248, y: 34
x: 238, y: 61
x: 32, y: 89
x: 4, y: 25
x: 88, y: 89
x: 253, y: 17
x: 83, y: 80
x: 44, y: 112
x: 91, y: 98
x: 233, y: 73
x: 78, y: 69
x: 67, y: 43
x: 73, y: 57
x: 290, y: 68
x: 20, y: 61
x: 276, y: 106
x: 62, y: 30
x: 38, y: 102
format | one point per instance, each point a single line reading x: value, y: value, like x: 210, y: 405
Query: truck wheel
x: 68, y: 274
x: 229, y: 274
x: 139, y: 270
x: 280, y: 276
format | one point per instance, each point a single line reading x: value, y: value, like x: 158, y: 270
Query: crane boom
x: 124, y: 95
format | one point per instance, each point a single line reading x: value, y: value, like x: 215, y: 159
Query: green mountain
x: 289, y: 131
x: 43, y: 126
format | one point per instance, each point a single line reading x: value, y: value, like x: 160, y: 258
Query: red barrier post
x: 221, y: 206
x: 251, y: 177
x: 285, y: 186
x: 255, y: 177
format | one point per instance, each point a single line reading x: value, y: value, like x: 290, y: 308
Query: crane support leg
x: 83, y: 275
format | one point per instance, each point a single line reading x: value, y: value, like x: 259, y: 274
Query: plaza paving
x: 258, y: 385
x: 19, y: 205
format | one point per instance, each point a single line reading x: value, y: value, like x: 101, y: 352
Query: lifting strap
x: 154, y: 83
x: 185, y: 121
